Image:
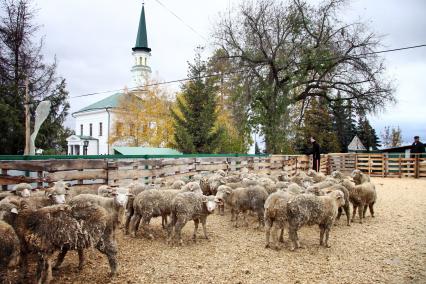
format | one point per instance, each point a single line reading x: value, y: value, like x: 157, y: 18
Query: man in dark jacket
x: 417, y: 146
x: 316, y: 155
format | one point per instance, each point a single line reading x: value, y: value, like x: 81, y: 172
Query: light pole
x: 86, y: 144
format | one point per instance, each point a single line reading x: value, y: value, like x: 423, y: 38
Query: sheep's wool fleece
x: 306, y: 209
x: 49, y: 228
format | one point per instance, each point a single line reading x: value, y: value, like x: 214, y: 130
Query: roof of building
x: 145, y: 151
x: 109, y: 102
x: 82, y: 137
x: 356, y: 145
x: 142, y: 38
x: 397, y: 149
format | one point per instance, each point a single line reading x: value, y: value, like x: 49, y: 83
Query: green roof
x: 145, y: 151
x: 142, y: 38
x: 109, y: 102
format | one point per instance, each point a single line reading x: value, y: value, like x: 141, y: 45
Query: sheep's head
x: 315, y: 190
x: 338, y: 196
x: 23, y: 190
x: 311, y: 173
x: 221, y: 173
x: 337, y: 175
x: 210, y: 203
x: 222, y: 193
x: 121, y: 196
x: 192, y: 187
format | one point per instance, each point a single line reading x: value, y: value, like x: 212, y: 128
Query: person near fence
x: 417, y: 147
x: 316, y: 154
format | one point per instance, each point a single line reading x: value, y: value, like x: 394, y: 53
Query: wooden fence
x: 117, y: 169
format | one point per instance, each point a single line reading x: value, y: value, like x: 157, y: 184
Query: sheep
x: 155, y: 203
x: 47, y: 230
x: 276, y: 216
x: 114, y: 205
x: 134, y: 189
x: 345, y: 207
x: 361, y: 195
x: 209, y: 184
x: 233, y: 178
x: 51, y: 196
x: 359, y: 177
x: 294, y: 188
x: 317, y: 176
x: 189, y: 206
x: 307, y: 209
x: 10, y: 250
x: 177, y: 184
x: 337, y: 175
x: 22, y: 190
x: 325, y: 184
x: 242, y: 199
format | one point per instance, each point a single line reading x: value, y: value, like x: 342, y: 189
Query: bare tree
x: 291, y: 52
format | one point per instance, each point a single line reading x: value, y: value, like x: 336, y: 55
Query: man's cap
x: 416, y: 137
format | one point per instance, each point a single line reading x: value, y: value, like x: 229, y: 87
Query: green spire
x: 142, y: 39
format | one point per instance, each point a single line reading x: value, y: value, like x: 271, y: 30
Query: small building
x: 356, y: 145
x: 406, y: 150
x: 93, y: 123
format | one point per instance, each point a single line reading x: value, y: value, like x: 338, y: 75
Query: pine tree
x: 318, y: 123
x: 195, y: 114
x: 367, y: 134
x: 343, y: 123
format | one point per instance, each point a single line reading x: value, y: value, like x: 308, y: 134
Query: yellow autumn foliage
x: 144, y: 118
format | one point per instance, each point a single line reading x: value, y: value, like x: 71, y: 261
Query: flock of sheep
x: 62, y: 218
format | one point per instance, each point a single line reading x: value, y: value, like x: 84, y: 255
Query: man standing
x: 417, y: 147
x: 316, y: 155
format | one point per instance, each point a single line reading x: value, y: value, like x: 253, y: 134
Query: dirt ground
x: 390, y: 248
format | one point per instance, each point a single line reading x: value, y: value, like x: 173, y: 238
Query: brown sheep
x: 10, y: 250
x: 276, y: 216
x: 44, y: 231
x: 361, y: 196
x: 188, y: 206
x: 308, y: 209
x: 359, y: 177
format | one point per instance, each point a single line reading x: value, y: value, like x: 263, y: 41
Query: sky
x: 92, y: 42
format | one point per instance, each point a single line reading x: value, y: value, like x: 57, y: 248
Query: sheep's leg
x: 245, y: 213
x: 347, y: 212
x: 293, y: 237
x: 268, y: 224
x: 232, y: 214
x: 371, y: 207
x: 81, y: 259
x: 260, y: 218
x: 236, y: 212
x: 24, y: 266
x: 109, y: 248
x: 40, y: 269
x: 281, y: 240
x: 61, y: 257
x: 145, y: 227
x: 203, y: 222
x: 48, y: 270
x: 327, y: 232
x: 128, y: 218
x: 170, y: 228
x: 164, y: 221
x: 354, y: 213
x: 360, y: 212
x: 364, y: 211
x: 194, y: 235
x: 274, y: 236
x: 222, y: 209
x: 178, y: 228
x: 339, y: 213
x: 322, y: 229
x: 134, y: 224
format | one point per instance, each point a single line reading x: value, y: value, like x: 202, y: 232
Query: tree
x: 195, y: 114
x: 343, y: 123
x: 144, y: 118
x: 21, y: 59
x: 318, y: 123
x: 391, y: 137
x: 367, y: 134
x: 396, y: 137
x: 293, y: 52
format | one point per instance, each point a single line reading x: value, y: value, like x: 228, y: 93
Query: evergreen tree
x: 195, y: 114
x: 318, y: 123
x: 367, y: 134
x: 343, y: 123
x: 21, y: 59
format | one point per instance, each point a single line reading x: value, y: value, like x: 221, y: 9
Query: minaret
x: 141, y: 53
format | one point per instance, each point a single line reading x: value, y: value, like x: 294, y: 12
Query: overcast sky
x: 92, y: 41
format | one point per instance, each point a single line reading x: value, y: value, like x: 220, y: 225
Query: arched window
x: 140, y: 60
x: 145, y: 61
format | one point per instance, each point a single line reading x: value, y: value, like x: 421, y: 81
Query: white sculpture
x: 42, y: 111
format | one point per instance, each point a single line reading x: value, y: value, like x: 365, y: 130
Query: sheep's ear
x: 14, y: 211
x: 130, y: 194
x: 67, y: 185
x: 228, y: 191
